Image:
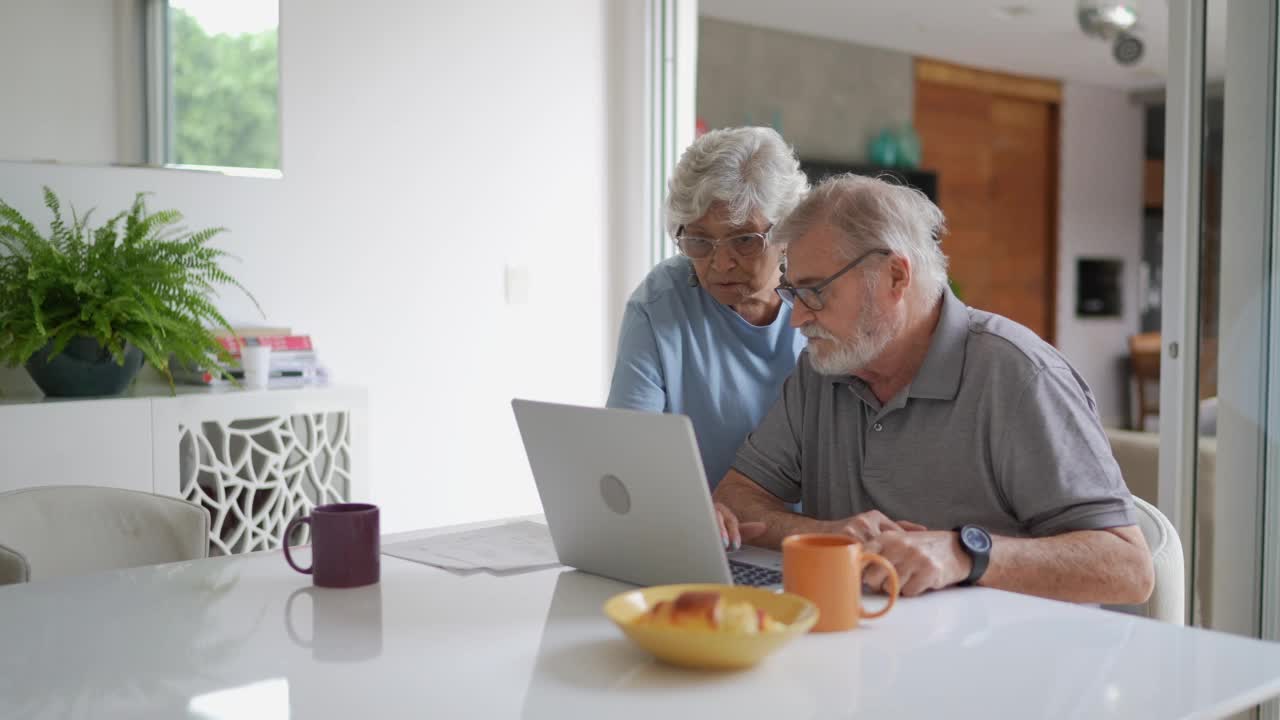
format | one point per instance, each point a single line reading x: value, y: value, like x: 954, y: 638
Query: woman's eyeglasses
x: 744, y: 245
x: 811, y: 295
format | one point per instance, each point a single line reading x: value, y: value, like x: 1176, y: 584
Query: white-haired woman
x: 705, y: 335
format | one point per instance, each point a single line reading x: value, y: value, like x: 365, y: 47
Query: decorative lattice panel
x: 256, y: 475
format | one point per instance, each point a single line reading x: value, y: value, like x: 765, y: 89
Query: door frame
x: 1180, y: 272
x: 1246, y: 482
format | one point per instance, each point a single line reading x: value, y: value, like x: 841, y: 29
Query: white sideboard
x: 254, y: 458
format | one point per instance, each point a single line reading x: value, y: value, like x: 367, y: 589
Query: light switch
x: 517, y: 284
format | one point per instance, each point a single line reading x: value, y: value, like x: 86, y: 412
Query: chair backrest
x: 13, y: 567
x: 1168, y: 599
x: 1144, y: 362
x: 50, y: 532
x: 1138, y: 455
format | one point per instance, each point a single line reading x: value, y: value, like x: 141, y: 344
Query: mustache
x: 813, y: 331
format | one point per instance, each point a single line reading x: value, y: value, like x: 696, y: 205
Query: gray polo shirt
x: 996, y: 429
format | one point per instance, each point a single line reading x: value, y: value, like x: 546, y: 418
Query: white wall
x: 764, y: 76
x: 1100, y: 216
x: 427, y: 145
x: 58, y: 84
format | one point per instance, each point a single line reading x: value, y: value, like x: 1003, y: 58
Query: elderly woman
x: 705, y: 335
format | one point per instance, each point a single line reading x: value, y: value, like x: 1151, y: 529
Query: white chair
x: 1138, y: 454
x: 51, y: 532
x: 1168, y: 599
x: 13, y: 567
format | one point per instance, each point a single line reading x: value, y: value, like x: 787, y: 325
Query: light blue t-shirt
x: 681, y: 351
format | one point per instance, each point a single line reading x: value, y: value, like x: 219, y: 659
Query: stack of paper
x: 514, y: 546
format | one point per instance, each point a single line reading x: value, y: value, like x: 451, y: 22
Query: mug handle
x: 308, y: 570
x: 288, y: 615
x: 874, y: 559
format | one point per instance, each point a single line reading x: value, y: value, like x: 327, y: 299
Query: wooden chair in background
x: 1144, y: 363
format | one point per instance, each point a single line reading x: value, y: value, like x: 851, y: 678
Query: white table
x: 211, y: 639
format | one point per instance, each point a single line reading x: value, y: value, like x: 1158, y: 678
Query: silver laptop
x: 625, y: 496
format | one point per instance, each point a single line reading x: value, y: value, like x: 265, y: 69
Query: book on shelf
x: 250, y: 331
x: 278, y: 343
x: 276, y: 378
x: 293, y: 359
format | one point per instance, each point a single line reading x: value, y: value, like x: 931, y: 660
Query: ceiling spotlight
x: 1127, y: 49
x: 1113, y: 22
x: 1119, y: 15
x: 1104, y: 19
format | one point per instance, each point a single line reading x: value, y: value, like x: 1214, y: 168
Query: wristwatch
x: 976, y: 542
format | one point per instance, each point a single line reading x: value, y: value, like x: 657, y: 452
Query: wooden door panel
x: 995, y: 157
x: 1020, y: 197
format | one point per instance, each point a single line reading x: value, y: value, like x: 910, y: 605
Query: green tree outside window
x: 225, y: 96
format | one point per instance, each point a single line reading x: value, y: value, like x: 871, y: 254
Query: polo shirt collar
x: 939, y: 375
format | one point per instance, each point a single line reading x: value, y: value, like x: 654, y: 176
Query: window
x: 215, y: 84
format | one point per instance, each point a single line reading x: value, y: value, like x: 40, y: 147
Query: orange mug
x: 827, y: 569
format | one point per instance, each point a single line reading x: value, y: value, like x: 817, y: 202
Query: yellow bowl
x: 711, y: 649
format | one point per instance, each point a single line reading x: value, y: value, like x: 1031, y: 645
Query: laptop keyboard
x: 753, y: 575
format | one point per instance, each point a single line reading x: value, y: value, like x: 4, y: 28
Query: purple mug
x: 345, y: 546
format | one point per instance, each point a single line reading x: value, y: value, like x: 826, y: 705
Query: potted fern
x: 84, y: 308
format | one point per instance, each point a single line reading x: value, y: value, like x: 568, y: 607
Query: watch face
x: 976, y: 539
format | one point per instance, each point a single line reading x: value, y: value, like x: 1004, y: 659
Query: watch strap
x: 980, y: 557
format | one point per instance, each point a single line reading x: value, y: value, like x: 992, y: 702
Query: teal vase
x: 883, y: 149
x: 909, y: 151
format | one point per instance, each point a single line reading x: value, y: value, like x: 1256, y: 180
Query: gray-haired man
x: 954, y: 442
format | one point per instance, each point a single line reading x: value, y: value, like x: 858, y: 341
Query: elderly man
x: 954, y: 442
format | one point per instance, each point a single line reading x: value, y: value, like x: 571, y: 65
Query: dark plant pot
x: 83, y: 369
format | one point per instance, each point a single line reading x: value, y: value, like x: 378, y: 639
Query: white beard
x: 875, y: 330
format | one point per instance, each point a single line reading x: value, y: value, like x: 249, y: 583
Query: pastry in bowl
x: 710, y: 626
x: 709, y: 610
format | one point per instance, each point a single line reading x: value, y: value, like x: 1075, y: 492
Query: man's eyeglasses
x: 744, y: 245
x: 811, y: 295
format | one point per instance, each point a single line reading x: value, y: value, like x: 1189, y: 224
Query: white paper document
x: 514, y: 546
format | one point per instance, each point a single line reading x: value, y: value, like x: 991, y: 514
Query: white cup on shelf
x: 256, y: 362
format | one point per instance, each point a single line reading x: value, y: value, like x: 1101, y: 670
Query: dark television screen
x: 925, y: 181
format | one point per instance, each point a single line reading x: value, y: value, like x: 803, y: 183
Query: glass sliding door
x: 673, y: 73
x: 1271, y: 488
x: 1219, y: 471
x: 1235, y: 246
x: 1270, y: 573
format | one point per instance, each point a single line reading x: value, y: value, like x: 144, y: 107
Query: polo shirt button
x: 879, y: 427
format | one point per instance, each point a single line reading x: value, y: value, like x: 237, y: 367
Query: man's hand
x: 869, y: 525
x: 734, y: 533
x: 925, y: 560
